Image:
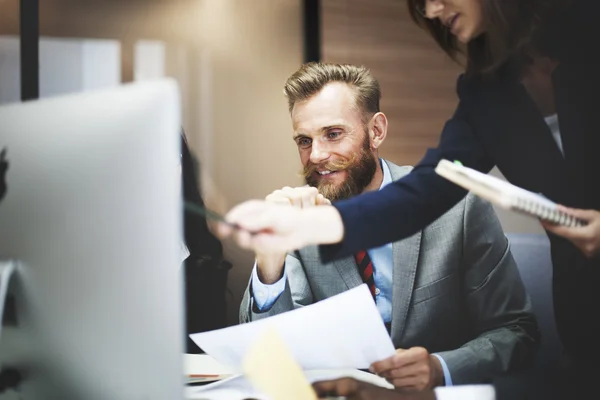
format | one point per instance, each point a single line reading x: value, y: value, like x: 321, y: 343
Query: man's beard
x: 360, y: 170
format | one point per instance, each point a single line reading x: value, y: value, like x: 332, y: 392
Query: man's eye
x: 333, y: 134
x: 304, y: 142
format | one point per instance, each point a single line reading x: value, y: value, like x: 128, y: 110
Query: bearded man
x: 450, y: 295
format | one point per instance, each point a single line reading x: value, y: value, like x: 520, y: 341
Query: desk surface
x: 236, y: 387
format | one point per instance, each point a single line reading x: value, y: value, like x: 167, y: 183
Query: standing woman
x: 529, y: 103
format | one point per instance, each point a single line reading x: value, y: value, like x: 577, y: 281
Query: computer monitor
x: 92, y: 220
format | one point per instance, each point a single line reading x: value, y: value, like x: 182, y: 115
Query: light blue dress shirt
x: 383, y: 267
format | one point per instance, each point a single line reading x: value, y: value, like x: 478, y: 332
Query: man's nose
x: 319, y: 152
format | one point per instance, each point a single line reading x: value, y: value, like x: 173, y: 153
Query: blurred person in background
x: 205, y: 269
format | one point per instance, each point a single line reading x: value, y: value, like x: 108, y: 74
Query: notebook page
x: 506, y: 189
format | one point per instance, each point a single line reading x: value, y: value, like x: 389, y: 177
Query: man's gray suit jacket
x: 456, y: 292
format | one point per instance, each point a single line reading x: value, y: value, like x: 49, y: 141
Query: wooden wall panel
x: 417, y: 79
x: 174, y: 20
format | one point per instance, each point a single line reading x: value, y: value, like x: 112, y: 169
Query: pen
x: 198, y: 209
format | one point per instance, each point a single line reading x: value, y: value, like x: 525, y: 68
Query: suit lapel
x: 348, y: 271
x: 406, y: 257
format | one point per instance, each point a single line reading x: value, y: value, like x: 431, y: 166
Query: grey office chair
x: 532, y: 254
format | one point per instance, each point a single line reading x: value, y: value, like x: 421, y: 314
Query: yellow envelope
x: 270, y: 366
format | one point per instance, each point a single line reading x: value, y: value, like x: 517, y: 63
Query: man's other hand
x: 413, y: 369
x: 301, y: 197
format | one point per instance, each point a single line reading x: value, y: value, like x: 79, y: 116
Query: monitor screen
x: 91, y: 221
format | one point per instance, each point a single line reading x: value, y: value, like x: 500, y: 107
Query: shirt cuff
x: 266, y: 295
x: 447, y: 376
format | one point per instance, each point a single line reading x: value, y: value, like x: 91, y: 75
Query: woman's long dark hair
x: 515, y: 31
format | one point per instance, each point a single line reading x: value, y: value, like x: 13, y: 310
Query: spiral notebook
x: 504, y: 194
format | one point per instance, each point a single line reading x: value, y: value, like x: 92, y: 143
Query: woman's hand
x: 586, y: 238
x: 267, y: 227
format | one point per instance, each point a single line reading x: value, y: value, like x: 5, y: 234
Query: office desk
x: 236, y: 387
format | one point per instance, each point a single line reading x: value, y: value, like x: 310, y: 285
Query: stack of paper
x: 202, y: 368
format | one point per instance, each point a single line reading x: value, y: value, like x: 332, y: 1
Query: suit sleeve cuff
x: 266, y: 295
x: 447, y: 376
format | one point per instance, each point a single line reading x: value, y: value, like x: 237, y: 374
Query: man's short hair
x: 313, y: 76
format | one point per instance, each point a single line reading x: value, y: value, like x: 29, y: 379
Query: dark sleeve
x: 205, y: 270
x: 413, y: 202
x: 572, y: 32
x: 198, y: 238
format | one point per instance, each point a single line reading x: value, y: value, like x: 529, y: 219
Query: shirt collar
x: 387, y: 174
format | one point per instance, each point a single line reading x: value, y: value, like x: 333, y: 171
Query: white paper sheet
x: 342, y: 332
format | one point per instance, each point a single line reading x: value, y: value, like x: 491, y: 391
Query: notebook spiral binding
x: 548, y: 214
x: 506, y: 195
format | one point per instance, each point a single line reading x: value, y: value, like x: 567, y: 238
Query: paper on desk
x: 343, y: 331
x: 234, y: 388
x: 239, y: 388
x: 204, y: 368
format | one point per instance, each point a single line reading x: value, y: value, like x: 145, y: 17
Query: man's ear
x: 378, y: 131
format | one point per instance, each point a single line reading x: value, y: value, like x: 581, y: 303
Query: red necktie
x: 365, y: 269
